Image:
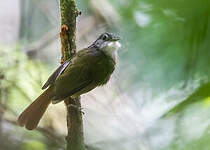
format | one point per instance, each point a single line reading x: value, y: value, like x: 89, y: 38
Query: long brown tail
x: 31, y: 116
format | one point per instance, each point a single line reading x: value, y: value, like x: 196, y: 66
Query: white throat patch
x: 111, y: 49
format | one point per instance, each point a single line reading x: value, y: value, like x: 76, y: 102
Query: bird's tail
x: 31, y: 116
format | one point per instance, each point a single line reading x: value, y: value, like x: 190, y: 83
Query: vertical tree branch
x: 69, y: 12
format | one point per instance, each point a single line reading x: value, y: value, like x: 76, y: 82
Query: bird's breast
x: 103, y: 70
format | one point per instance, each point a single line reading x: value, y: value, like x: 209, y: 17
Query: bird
x: 87, y: 69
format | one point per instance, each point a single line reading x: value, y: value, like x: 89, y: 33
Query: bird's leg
x: 75, y: 106
x: 78, y: 108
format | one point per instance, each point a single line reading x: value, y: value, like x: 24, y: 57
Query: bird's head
x: 107, y: 42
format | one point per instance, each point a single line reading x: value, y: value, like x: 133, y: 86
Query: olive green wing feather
x: 55, y: 74
x: 77, y: 77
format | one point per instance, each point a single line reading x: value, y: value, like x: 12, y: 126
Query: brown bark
x: 69, y: 12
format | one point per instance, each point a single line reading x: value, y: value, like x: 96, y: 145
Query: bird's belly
x: 103, y: 75
x: 84, y: 90
x: 100, y: 77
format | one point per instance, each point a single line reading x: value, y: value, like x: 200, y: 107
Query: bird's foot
x: 78, y: 108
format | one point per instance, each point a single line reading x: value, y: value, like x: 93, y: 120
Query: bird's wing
x: 77, y: 77
x: 66, y: 93
x: 55, y: 74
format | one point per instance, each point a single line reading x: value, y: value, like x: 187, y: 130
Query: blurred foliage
x: 21, y: 80
x: 22, y: 77
x: 44, y: 12
x: 168, y: 39
x: 34, y: 145
x: 201, y: 94
x: 164, y: 44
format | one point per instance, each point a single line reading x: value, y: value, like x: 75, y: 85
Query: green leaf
x: 201, y: 94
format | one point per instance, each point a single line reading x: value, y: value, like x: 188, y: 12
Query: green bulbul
x: 89, y: 68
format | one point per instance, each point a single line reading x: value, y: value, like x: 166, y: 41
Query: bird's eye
x: 105, y: 37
